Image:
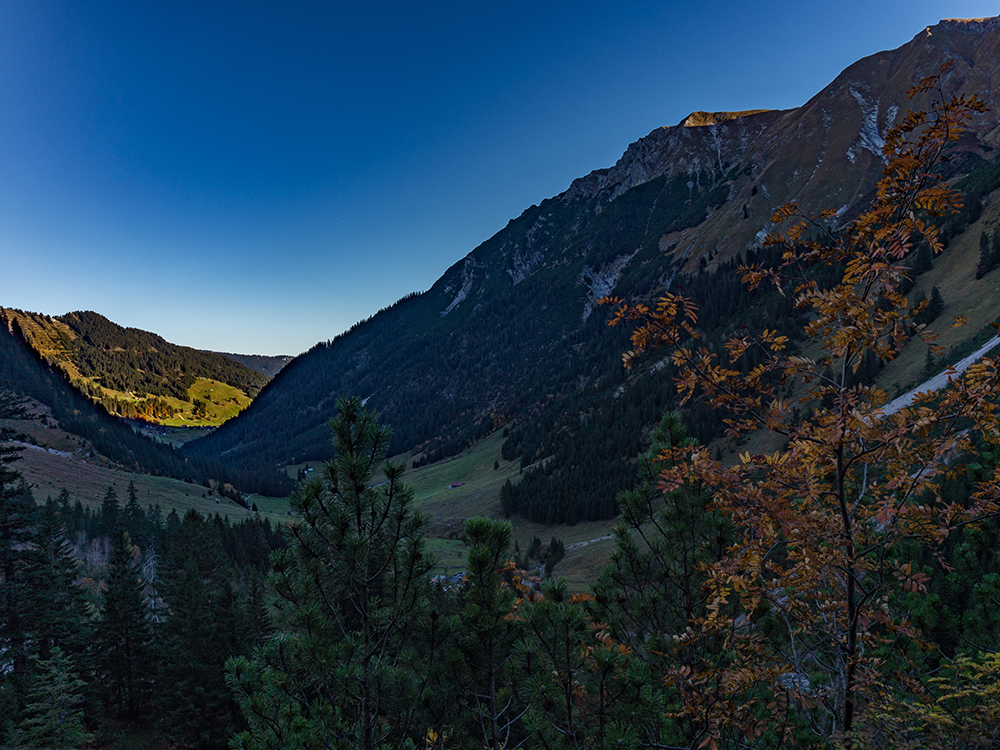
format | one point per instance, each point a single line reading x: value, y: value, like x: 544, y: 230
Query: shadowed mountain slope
x: 510, y: 334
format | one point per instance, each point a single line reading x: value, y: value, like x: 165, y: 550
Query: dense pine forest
x: 101, y: 610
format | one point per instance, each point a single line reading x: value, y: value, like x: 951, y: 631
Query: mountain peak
x: 970, y: 24
x: 701, y: 119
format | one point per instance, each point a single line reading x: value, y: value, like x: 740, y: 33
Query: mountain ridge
x: 138, y: 374
x: 507, y: 336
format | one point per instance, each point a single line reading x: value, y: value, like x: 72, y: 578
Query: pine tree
x: 652, y: 586
x: 348, y: 591
x: 574, y: 677
x: 492, y: 713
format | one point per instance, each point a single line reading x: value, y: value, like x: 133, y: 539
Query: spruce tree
x: 58, y: 612
x: 989, y: 253
x: 123, y: 638
x: 133, y: 517
x: 194, y: 706
x: 53, y: 717
x: 935, y: 305
x: 16, y: 517
x: 110, y: 513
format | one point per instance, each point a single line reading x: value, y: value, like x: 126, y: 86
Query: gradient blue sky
x: 257, y: 177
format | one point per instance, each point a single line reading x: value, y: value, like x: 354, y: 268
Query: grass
x: 954, y: 275
x: 448, y: 507
x: 58, y: 460
x: 451, y: 555
x: 478, y: 493
x: 222, y: 402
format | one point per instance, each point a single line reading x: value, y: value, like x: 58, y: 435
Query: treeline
x: 269, y: 365
x: 122, y: 615
x: 989, y: 253
x: 130, y: 360
x: 152, y: 408
x: 23, y: 369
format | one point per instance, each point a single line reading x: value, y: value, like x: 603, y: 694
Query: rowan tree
x: 810, y: 598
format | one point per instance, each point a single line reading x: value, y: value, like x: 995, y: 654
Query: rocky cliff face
x: 703, y: 142
x: 828, y: 152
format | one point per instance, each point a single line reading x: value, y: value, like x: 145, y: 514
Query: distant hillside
x: 137, y: 374
x: 23, y: 370
x: 269, y: 366
x: 510, y: 337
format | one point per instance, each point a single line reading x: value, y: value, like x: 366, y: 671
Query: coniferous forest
x: 837, y: 589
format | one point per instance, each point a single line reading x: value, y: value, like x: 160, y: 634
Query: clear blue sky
x: 257, y: 177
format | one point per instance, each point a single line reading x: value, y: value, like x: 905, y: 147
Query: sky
x: 257, y: 177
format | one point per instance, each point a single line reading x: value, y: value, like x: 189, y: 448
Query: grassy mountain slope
x: 510, y: 336
x: 137, y: 374
x: 110, y: 441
